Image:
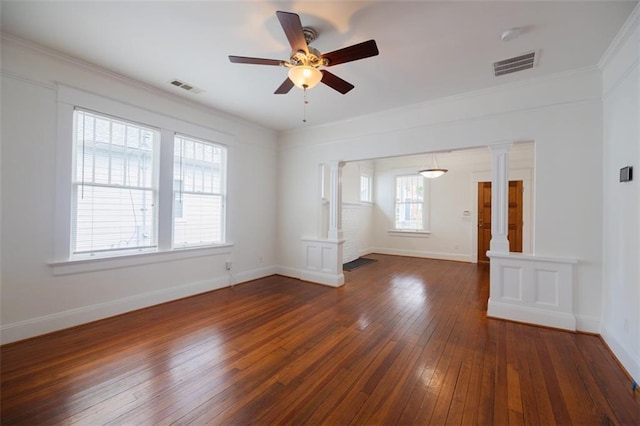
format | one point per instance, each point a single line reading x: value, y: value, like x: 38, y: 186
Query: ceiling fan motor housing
x: 310, y: 34
x: 311, y: 59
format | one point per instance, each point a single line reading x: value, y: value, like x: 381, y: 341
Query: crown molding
x: 627, y: 29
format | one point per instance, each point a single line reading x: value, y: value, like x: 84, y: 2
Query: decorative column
x: 500, y: 199
x: 335, y: 200
x: 323, y: 256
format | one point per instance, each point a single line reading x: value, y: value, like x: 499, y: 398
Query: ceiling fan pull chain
x: 304, y: 106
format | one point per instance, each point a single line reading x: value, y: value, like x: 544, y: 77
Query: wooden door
x: 515, y: 216
x: 484, y: 218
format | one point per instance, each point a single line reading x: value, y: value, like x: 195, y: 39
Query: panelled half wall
x: 532, y: 289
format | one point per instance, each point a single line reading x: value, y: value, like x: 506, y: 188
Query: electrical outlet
x: 228, y: 265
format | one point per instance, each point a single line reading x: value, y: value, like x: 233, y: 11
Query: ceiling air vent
x: 515, y: 64
x: 186, y: 86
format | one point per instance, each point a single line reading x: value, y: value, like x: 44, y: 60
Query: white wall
x: 34, y: 300
x: 621, y: 254
x: 562, y: 114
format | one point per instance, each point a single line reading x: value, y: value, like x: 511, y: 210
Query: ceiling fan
x: 305, y: 61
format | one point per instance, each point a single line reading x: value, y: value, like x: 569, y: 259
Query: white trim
x: 68, y: 98
x: 621, y: 37
x: 587, y: 324
x: 61, y: 320
x: 53, y: 322
x: 23, y: 79
x: 122, y: 110
x: 409, y: 233
x: 530, y: 315
x: 631, y: 361
x: 521, y: 256
x: 422, y: 254
x: 330, y: 280
x: 78, y: 266
x: 426, y: 199
x: 253, y: 274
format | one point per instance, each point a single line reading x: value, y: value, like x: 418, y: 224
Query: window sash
x: 198, y: 192
x: 410, y: 203
x: 114, y: 185
x: 366, y: 188
x: 119, y: 218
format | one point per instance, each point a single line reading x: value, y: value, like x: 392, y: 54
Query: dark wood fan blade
x: 362, y: 50
x: 284, y: 87
x: 336, y: 82
x: 255, y: 61
x: 293, y: 30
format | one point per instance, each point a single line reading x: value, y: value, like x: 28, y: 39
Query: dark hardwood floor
x: 405, y: 341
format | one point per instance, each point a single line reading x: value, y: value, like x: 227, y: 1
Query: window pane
x: 201, y: 220
x: 199, y: 200
x: 114, y: 186
x: 365, y: 188
x: 113, y: 218
x: 104, y: 159
x: 409, y: 205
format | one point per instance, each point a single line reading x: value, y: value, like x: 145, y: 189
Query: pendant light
x: 435, y: 171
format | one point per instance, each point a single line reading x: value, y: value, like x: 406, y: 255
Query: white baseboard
x: 531, y: 315
x: 629, y: 360
x: 60, y: 320
x: 423, y: 254
x: 254, y: 274
x: 587, y: 324
x: 366, y: 251
x: 331, y: 280
x: 287, y: 271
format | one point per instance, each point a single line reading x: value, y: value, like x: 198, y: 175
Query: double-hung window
x: 198, y: 192
x: 366, y: 190
x: 410, y: 203
x: 114, y: 185
x: 117, y: 185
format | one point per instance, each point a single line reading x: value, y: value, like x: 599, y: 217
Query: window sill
x: 409, y: 233
x: 78, y: 266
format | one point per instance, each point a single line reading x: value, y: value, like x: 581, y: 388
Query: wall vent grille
x: 186, y: 86
x: 515, y: 64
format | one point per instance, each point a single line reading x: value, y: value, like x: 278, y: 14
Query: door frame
x: 528, y: 212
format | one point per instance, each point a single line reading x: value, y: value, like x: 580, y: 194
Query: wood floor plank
x: 405, y: 341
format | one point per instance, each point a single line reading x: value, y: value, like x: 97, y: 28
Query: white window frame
x: 424, y: 229
x: 70, y: 98
x: 182, y: 191
x: 366, y: 196
x: 85, y: 183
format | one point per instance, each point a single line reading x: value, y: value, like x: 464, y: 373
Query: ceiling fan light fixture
x: 304, y: 76
x: 433, y: 173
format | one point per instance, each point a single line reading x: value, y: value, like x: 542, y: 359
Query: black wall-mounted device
x: 626, y: 174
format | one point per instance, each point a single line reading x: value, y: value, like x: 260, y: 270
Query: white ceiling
x: 428, y: 49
